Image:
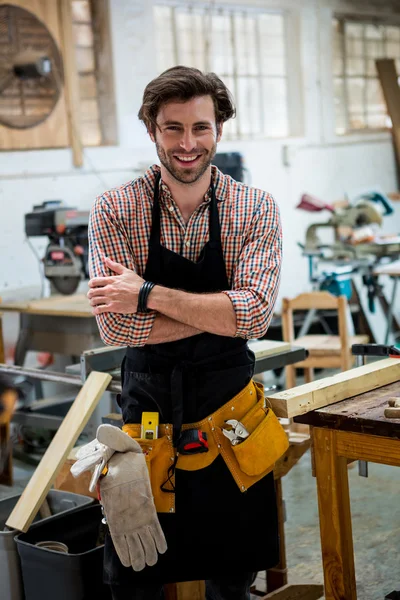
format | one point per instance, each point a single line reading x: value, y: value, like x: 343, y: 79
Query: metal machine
x: 355, y: 228
x: 343, y: 260
x: 230, y: 163
x: 66, y: 256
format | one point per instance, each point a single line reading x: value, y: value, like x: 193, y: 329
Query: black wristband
x: 144, y: 293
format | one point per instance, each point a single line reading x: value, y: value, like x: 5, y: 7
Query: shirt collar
x: 218, y: 178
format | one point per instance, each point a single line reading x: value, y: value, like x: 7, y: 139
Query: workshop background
x: 311, y: 119
x: 296, y: 134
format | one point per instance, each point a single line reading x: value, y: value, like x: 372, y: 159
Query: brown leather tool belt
x: 248, y: 461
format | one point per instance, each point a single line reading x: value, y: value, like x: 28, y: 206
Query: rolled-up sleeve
x: 256, y: 276
x: 108, y: 237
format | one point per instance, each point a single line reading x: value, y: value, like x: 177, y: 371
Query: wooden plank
x: 88, y: 86
x: 363, y: 414
x: 81, y: 11
x: 309, y: 300
x: 91, y: 133
x: 76, y: 305
x: 56, y: 454
x: 85, y: 60
x: 72, y: 83
x: 386, y: 68
x: 263, y: 348
x: 292, y: 455
x: 334, y: 517
x: 297, y: 592
x: 323, y: 345
x: 360, y: 446
x: 104, y: 70
x: 319, y: 362
x: 277, y: 576
x: 317, y: 394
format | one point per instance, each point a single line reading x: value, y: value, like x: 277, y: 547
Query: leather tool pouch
x: 248, y: 461
x: 266, y: 443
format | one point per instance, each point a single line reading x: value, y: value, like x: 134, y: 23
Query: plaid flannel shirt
x: 120, y: 225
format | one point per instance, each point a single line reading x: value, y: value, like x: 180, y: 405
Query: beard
x: 186, y: 175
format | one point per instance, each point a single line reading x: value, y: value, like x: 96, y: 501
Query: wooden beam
x: 372, y: 448
x: 277, y: 576
x: 71, y: 82
x: 57, y: 452
x: 317, y: 394
x: 100, y: 10
x: 386, y: 68
x: 334, y: 517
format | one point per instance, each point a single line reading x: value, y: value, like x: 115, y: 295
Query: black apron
x: 216, y: 529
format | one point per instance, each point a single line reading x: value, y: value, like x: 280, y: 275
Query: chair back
x: 318, y: 301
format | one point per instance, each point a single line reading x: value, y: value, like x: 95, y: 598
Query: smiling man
x: 185, y: 266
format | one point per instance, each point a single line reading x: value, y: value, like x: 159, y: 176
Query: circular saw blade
x: 371, y: 211
x: 65, y: 285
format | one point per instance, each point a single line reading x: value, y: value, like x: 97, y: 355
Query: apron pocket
x: 266, y: 443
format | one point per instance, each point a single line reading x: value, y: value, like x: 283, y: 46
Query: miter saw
x: 347, y: 260
x: 355, y: 227
x: 66, y: 256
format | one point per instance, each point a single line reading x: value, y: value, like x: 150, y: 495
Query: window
x: 359, y: 102
x: 94, y: 66
x: 245, y: 47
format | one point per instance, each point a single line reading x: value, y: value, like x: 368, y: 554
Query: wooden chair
x: 325, y: 351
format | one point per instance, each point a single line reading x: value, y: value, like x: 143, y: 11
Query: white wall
x: 316, y: 162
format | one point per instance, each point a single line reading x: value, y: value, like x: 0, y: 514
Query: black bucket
x: 10, y: 570
x: 74, y: 575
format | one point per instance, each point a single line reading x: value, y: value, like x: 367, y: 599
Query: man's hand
x: 117, y: 293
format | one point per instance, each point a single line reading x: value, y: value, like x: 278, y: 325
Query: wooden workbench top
x: 75, y: 305
x: 363, y: 413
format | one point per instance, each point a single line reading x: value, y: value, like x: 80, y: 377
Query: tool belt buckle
x: 238, y: 432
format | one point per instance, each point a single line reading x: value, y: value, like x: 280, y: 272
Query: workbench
x: 58, y: 324
x: 353, y: 429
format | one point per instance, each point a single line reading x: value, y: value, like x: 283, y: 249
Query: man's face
x: 186, y: 137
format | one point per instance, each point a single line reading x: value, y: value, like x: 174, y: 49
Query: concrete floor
x: 375, y: 518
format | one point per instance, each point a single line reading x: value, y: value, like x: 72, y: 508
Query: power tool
x: 66, y: 257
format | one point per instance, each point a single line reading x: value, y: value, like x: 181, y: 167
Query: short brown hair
x: 182, y: 84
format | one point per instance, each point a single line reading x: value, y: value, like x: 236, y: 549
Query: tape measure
x: 192, y: 441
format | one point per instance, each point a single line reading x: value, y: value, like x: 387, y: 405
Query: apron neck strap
x: 215, y: 231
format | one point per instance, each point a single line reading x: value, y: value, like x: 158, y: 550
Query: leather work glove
x: 127, y: 501
x: 96, y: 454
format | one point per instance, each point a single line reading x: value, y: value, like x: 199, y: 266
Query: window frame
x: 367, y: 133
x: 293, y: 77
x: 103, y: 72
